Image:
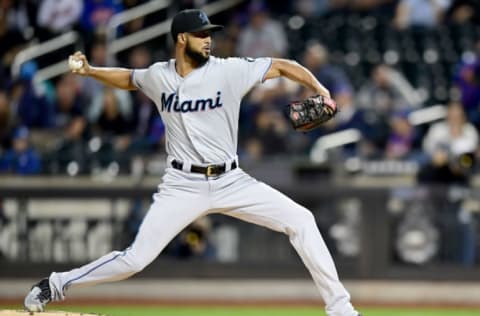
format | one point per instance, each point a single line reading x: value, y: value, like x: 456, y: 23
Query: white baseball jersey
x: 201, y: 110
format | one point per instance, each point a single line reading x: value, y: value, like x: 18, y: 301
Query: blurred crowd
x: 382, y: 60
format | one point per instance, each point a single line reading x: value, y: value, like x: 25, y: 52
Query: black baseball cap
x: 192, y: 20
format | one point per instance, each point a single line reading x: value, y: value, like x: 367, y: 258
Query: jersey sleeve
x: 139, y: 77
x: 143, y: 80
x: 244, y: 73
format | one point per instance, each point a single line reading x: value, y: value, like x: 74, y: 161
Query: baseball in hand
x: 74, y: 64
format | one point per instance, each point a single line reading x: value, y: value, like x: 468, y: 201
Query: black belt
x: 209, y: 171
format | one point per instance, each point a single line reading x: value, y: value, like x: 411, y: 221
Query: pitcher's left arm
x: 298, y: 73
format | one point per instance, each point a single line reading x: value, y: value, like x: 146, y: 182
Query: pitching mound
x: 48, y: 313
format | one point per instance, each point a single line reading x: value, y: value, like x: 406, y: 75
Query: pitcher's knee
x: 304, y: 221
x: 134, y: 262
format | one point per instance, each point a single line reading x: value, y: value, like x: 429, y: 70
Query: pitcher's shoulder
x: 162, y: 64
x: 223, y: 60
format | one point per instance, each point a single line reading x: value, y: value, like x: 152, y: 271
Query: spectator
x: 350, y: 116
x: 97, y: 13
x: 110, y: 112
x: 262, y: 36
x: 267, y: 97
x: 401, y: 140
x: 16, y: 15
x: 226, y: 41
x: 58, y: 16
x: 11, y: 36
x: 312, y: 8
x: 194, y: 241
x: 140, y: 57
x: 144, y: 109
x: 420, y: 13
x: 148, y: 129
x: 463, y: 11
x: 98, y: 56
x: 70, y: 124
x: 251, y: 150
x: 6, y: 120
x: 137, y: 24
x: 264, y: 126
x: 110, y: 116
x: 467, y: 80
x: 333, y: 78
x: 69, y: 112
x: 449, y: 147
x: 31, y: 103
x: 387, y: 91
x: 271, y: 130
x: 21, y: 158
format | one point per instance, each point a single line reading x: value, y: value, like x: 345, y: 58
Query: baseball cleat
x: 39, y: 296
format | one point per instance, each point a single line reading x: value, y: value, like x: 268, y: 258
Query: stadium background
x: 392, y: 181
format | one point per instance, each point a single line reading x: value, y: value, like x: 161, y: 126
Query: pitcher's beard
x: 196, y: 56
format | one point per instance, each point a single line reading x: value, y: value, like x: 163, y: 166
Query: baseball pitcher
x: 198, y: 97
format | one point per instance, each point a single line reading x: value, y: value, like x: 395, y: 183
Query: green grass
x: 252, y: 311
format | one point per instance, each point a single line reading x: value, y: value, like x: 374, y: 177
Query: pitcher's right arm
x: 112, y: 76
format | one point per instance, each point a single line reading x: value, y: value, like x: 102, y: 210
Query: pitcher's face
x: 198, y: 46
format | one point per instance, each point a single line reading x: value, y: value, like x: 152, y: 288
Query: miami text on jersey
x: 171, y: 103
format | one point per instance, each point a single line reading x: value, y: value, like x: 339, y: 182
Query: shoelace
x: 45, y: 294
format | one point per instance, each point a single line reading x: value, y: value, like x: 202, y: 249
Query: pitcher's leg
x: 308, y: 242
x: 260, y: 204
x: 164, y: 220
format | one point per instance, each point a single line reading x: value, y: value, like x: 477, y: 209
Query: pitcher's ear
x: 182, y: 38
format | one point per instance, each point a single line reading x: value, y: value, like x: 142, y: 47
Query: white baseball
x: 75, y: 64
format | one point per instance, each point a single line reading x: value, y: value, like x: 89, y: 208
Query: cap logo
x: 203, y: 17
